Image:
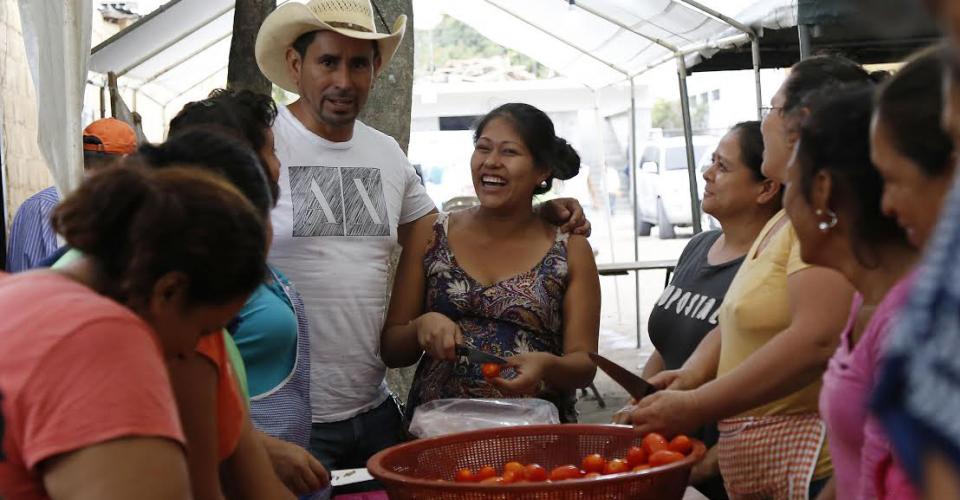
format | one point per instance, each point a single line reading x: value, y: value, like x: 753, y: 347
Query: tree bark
x: 242, y: 71
x: 388, y: 107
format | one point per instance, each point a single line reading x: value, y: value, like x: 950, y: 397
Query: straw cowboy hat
x: 351, y: 18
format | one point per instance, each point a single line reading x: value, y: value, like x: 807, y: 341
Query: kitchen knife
x: 637, y: 387
x: 476, y: 356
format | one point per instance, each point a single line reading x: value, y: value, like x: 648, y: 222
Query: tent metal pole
x: 803, y: 32
x: 688, y: 136
x: 171, y: 43
x: 185, y: 59
x: 625, y: 73
x: 633, y: 195
x: 718, y: 16
x: 667, y: 45
x: 755, y: 49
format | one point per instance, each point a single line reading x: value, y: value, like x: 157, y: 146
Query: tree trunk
x: 243, y: 72
x: 388, y: 108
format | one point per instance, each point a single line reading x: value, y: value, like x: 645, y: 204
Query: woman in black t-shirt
x: 742, y: 200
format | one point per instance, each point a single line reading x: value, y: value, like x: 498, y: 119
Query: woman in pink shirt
x: 833, y: 198
x: 87, y: 406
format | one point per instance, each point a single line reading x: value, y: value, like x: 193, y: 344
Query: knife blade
x: 637, y: 387
x: 344, y: 477
x: 477, y: 356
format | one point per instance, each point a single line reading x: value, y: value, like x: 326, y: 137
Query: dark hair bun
x: 565, y: 162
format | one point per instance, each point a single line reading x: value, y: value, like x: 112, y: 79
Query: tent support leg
x: 688, y: 136
x: 755, y: 49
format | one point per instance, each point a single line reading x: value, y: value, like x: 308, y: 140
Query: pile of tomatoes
x: 654, y: 451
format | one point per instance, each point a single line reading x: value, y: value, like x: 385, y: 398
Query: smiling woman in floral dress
x: 499, y: 279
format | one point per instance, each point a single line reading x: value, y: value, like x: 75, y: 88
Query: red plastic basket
x: 413, y: 470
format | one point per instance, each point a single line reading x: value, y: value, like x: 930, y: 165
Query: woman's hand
x: 678, y: 380
x: 295, y: 466
x: 668, y: 412
x: 531, y: 369
x: 566, y: 213
x: 438, y: 336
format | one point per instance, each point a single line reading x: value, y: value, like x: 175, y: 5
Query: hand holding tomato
x: 438, y: 336
x: 670, y: 412
x: 490, y: 370
x: 531, y: 368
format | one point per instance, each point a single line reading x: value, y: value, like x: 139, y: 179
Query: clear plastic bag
x: 448, y: 416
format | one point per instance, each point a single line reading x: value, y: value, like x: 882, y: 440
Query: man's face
x: 334, y: 78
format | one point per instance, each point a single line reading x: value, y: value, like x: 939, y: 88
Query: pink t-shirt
x: 862, y: 458
x: 77, y: 369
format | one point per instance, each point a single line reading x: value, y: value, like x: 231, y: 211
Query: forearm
x: 702, y: 365
x: 399, y: 346
x: 788, y: 362
x: 653, y: 366
x: 570, y: 371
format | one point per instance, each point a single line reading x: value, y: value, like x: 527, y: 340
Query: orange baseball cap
x: 110, y: 136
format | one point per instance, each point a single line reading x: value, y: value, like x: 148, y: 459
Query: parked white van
x: 663, y: 186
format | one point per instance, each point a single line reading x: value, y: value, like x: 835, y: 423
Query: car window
x: 677, y: 156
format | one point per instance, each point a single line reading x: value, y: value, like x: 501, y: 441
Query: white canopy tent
x: 597, y: 43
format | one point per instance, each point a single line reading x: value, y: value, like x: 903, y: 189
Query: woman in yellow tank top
x: 758, y: 373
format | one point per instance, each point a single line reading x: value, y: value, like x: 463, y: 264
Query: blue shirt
x: 265, y: 331
x: 32, y: 236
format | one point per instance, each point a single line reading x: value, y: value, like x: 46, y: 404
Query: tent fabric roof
x: 185, y: 42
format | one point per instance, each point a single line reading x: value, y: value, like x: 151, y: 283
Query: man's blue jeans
x: 348, y: 444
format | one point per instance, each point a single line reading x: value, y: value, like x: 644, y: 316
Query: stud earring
x: 543, y: 184
x: 826, y: 226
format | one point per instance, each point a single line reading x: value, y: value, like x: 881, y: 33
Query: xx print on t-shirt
x: 689, y: 304
x: 338, y: 201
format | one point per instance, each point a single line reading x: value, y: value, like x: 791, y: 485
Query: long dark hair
x: 550, y: 152
x: 835, y: 138
x: 139, y: 223
x: 909, y: 105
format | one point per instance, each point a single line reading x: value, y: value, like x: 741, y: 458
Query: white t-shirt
x: 334, y: 229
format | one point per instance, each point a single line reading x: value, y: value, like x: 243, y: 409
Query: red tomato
x: 490, y: 370
x: 681, y: 444
x: 565, y: 472
x: 616, y: 466
x: 664, y: 457
x: 485, y: 472
x: 492, y: 480
x: 640, y: 468
x: 653, y: 443
x: 636, y: 456
x: 593, y: 463
x: 512, y: 476
x: 515, y: 467
x: 464, y: 476
x: 591, y: 475
x: 535, y: 473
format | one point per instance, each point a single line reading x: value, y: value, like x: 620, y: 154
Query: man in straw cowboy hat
x: 349, y: 195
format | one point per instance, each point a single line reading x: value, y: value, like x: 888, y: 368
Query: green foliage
x: 452, y: 40
x: 666, y: 115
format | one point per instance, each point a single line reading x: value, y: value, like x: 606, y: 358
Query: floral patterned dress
x: 523, y: 313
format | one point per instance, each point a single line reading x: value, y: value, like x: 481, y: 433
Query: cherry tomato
x: 591, y: 475
x: 492, y: 480
x: 653, y: 443
x: 636, y: 456
x: 512, y: 476
x: 535, y: 473
x: 681, y: 444
x: 565, y: 472
x: 593, y: 463
x: 616, y: 466
x: 664, y: 457
x: 490, y: 370
x: 464, y: 476
x: 641, y: 468
x: 485, y: 472
x: 515, y: 467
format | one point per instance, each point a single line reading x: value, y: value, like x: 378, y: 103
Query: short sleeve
x: 794, y: 261
x: 416, y: 201
x: 105, y: 381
